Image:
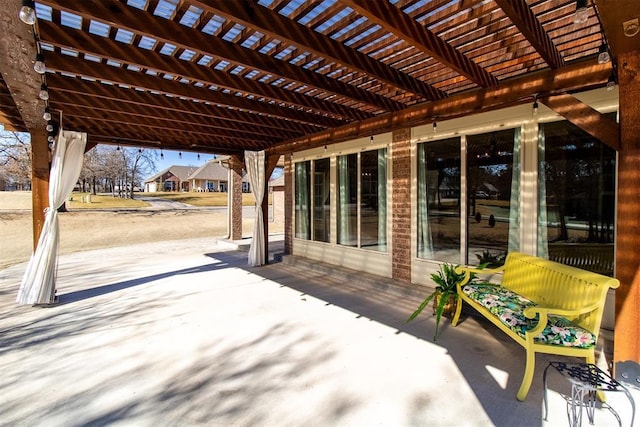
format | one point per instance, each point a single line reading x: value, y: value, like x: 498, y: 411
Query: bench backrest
x: 557, y: 285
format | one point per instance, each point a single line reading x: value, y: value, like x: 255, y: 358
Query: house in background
x: 214, y: 176
x: 173, y: 178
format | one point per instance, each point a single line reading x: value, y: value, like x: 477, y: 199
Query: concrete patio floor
x: 184, y: 333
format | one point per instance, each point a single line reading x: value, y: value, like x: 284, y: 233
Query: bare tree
x: 15, y: 159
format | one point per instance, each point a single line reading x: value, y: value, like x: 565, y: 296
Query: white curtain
x: 254, y: 161
x: 344, y: 229
x: 514, y: 206
x: 382, y: 199
x: 38, y: 283
x: 425, y: 242
x: 543, y: 239
x: 303, y: 218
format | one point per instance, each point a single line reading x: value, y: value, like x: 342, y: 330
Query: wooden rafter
x: 122, y: 53
x: 252, y: 15
x: 403, y: 26
x: 119, y: 15
x: 117, y: 75
x: 522, y: 17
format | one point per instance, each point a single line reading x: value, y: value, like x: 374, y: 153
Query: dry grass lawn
x: 86, y: 229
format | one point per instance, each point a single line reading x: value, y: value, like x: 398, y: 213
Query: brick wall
x: 401, y: 206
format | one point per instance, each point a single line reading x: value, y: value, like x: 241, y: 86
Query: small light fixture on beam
x: 47, y: 114
x: 179, y: 154
x: 611, y: 83
x: 371, y: 139
x: 161, y: 154
x: 603, y: 55
x: 535, y: 105
x: 39, y: 66
x: 49, y: 127
x: 582, y: 13
x: 27, y: 12
x: 44, y: 92
x: 435, y: 126
x: 198, y: 156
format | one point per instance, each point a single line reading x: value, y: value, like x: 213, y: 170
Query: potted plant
x: 445, y: 294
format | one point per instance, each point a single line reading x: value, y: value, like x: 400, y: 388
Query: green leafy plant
x: 446, y: 280
x: 490, y: 260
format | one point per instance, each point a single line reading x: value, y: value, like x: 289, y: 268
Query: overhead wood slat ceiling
x: 223, y: 76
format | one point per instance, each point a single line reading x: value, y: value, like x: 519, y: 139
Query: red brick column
x: 288, y: 204
x: 235, y: 198
x: 401, y: 205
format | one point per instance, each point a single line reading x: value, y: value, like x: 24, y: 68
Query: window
x: 302, y: 200
x: 576, y: 198
x: 362, y: 200
x: 439, y: 200
x: 321, y: 199
x: 493, y: 189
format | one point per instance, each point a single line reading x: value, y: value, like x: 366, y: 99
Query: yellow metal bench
x: 544, y: 306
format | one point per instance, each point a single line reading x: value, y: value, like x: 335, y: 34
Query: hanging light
x: 49, y: 127
x: 603, y: 55
x: 198, y: 156
x: 27, y: 12
x: 47, y: 114
x: 535, y: 105
x: 118, y: 148
x: 39, y: 66
x: 50, y: 138
x: 611, y: 83
x: 161, y: 154
x: 179, y: 154
x: 371, y: 139
x: 435, y: 127
x: 44, y: 92
x: 582, y: 13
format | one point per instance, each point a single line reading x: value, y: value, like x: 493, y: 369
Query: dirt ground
x: 82, y: 230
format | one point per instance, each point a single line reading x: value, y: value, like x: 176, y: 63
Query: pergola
x: 222, y: 76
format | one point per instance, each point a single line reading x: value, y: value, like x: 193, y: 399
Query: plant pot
x: 449, y: 308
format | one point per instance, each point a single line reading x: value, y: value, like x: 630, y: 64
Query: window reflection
x: 438, y: 171
x: 321, y: 200
x: 576, y: 198
x: 490, y: 179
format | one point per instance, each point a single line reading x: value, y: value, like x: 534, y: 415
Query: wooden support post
x: 39, y: 180
x: 626, y: 352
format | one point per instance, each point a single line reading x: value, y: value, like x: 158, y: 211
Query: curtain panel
x: 39, y: 282
x: 254, y: 161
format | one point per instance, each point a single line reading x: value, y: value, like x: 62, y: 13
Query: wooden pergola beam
x: 576, y: 76
x: 117, y: 14
x: 586, y: 118
x: 86, y: 43
x: 520, y: 13
x: 252, y: 15
x: 404, y: 27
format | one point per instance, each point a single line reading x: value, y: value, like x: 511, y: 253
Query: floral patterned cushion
x: 508, y: 306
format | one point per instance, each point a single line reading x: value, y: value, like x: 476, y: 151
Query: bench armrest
x: 468, y: 271
x: 543, y: 313
x: 530, y: 312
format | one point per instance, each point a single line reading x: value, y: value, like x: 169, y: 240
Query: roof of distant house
x: 180, y: 172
